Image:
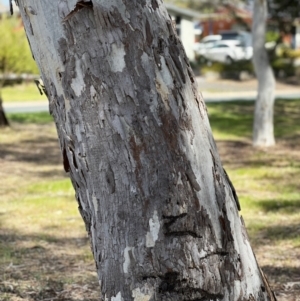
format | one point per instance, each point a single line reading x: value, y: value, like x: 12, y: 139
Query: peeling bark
x: 135, y: 137
x: 263, y: 126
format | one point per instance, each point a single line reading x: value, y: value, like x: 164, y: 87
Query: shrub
x: 15, y: 54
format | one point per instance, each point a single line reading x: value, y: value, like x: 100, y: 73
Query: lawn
x: 44, y: 252
x: 21, y: 92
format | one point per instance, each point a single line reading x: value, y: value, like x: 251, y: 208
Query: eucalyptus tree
x: 263, y: 125
x: 160, y: 211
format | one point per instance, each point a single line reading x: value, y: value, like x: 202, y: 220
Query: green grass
x: 37, y: 118
x: 53, y: 187
x: 233, y: 120
x: 21, y: 92
x: 39, y: 220
x: 267, y: 180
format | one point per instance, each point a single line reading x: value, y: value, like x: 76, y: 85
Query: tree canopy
x: 15, y: 54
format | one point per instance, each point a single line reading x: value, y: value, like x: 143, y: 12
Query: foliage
x: 233, y: 70
x: 272, y: 36
x: 15, y: 54
x: 284, y: 64
x: 291, y: 53
x: 284, y: 13
x: 283, y: 67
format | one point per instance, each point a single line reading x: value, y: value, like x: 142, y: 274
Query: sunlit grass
x: 266, y: 180
x: 44, y: 208
x: 40, y: 117
x: 232, y: 120
x: 39, y: 214
x: 21, y: 92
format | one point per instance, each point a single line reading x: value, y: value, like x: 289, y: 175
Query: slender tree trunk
x: 263, y: 126
x: 3, y: 120
x: 161, y: 214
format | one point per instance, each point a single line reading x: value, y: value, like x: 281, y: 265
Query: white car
x: 205, y: 43
x: 227, y: 51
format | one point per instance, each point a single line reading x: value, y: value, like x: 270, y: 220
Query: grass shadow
x: 284, y: 206
x: 39, y: 267
x: 282, y: 232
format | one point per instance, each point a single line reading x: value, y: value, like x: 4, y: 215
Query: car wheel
x: 228, y: 60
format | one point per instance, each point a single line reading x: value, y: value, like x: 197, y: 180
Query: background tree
x: 284, y: 13
x: 161, y: 212
x: 263, y: 125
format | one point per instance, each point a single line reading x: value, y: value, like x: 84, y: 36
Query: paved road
x: 226, y: 90
x: 26, y: 107
x: 212, y: 91
x: 246, y: 96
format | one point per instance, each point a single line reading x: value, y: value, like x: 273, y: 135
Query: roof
x: 188, y: 13
x: 184, y: 12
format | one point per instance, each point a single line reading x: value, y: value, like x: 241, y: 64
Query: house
x: 226, y: 17
x: 185, y: 20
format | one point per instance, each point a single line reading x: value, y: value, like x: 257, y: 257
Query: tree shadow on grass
x: 39, y: 156
x: 284, y: 206
x: 278, y: 233
x: 284, y: 273
x: 36, y: 152
x: 280, y: 230
x: 38, y: 267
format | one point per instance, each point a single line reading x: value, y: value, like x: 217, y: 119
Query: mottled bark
x: 263, y: 125
x: 135, y: 137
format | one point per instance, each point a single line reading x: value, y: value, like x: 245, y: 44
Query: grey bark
x: 135, y: 137
x: 263, y: 126
x: 3, y: 120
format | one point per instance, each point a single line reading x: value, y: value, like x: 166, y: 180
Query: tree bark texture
x: 263, y: 126
x: 136, y: 140
x: 3, y: 120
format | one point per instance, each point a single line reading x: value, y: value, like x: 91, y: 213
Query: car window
x: 230, y: 37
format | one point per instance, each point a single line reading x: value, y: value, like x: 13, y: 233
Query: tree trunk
x: 263, y: 126
x: 135, y: 137
x: 3, y: 120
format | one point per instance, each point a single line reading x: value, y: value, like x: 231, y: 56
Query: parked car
x: 205, y: 43
x: 244, y: 37
x: 228, y: 51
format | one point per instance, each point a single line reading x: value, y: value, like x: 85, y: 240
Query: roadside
x: 26, y: 106
x: 214, y: 90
